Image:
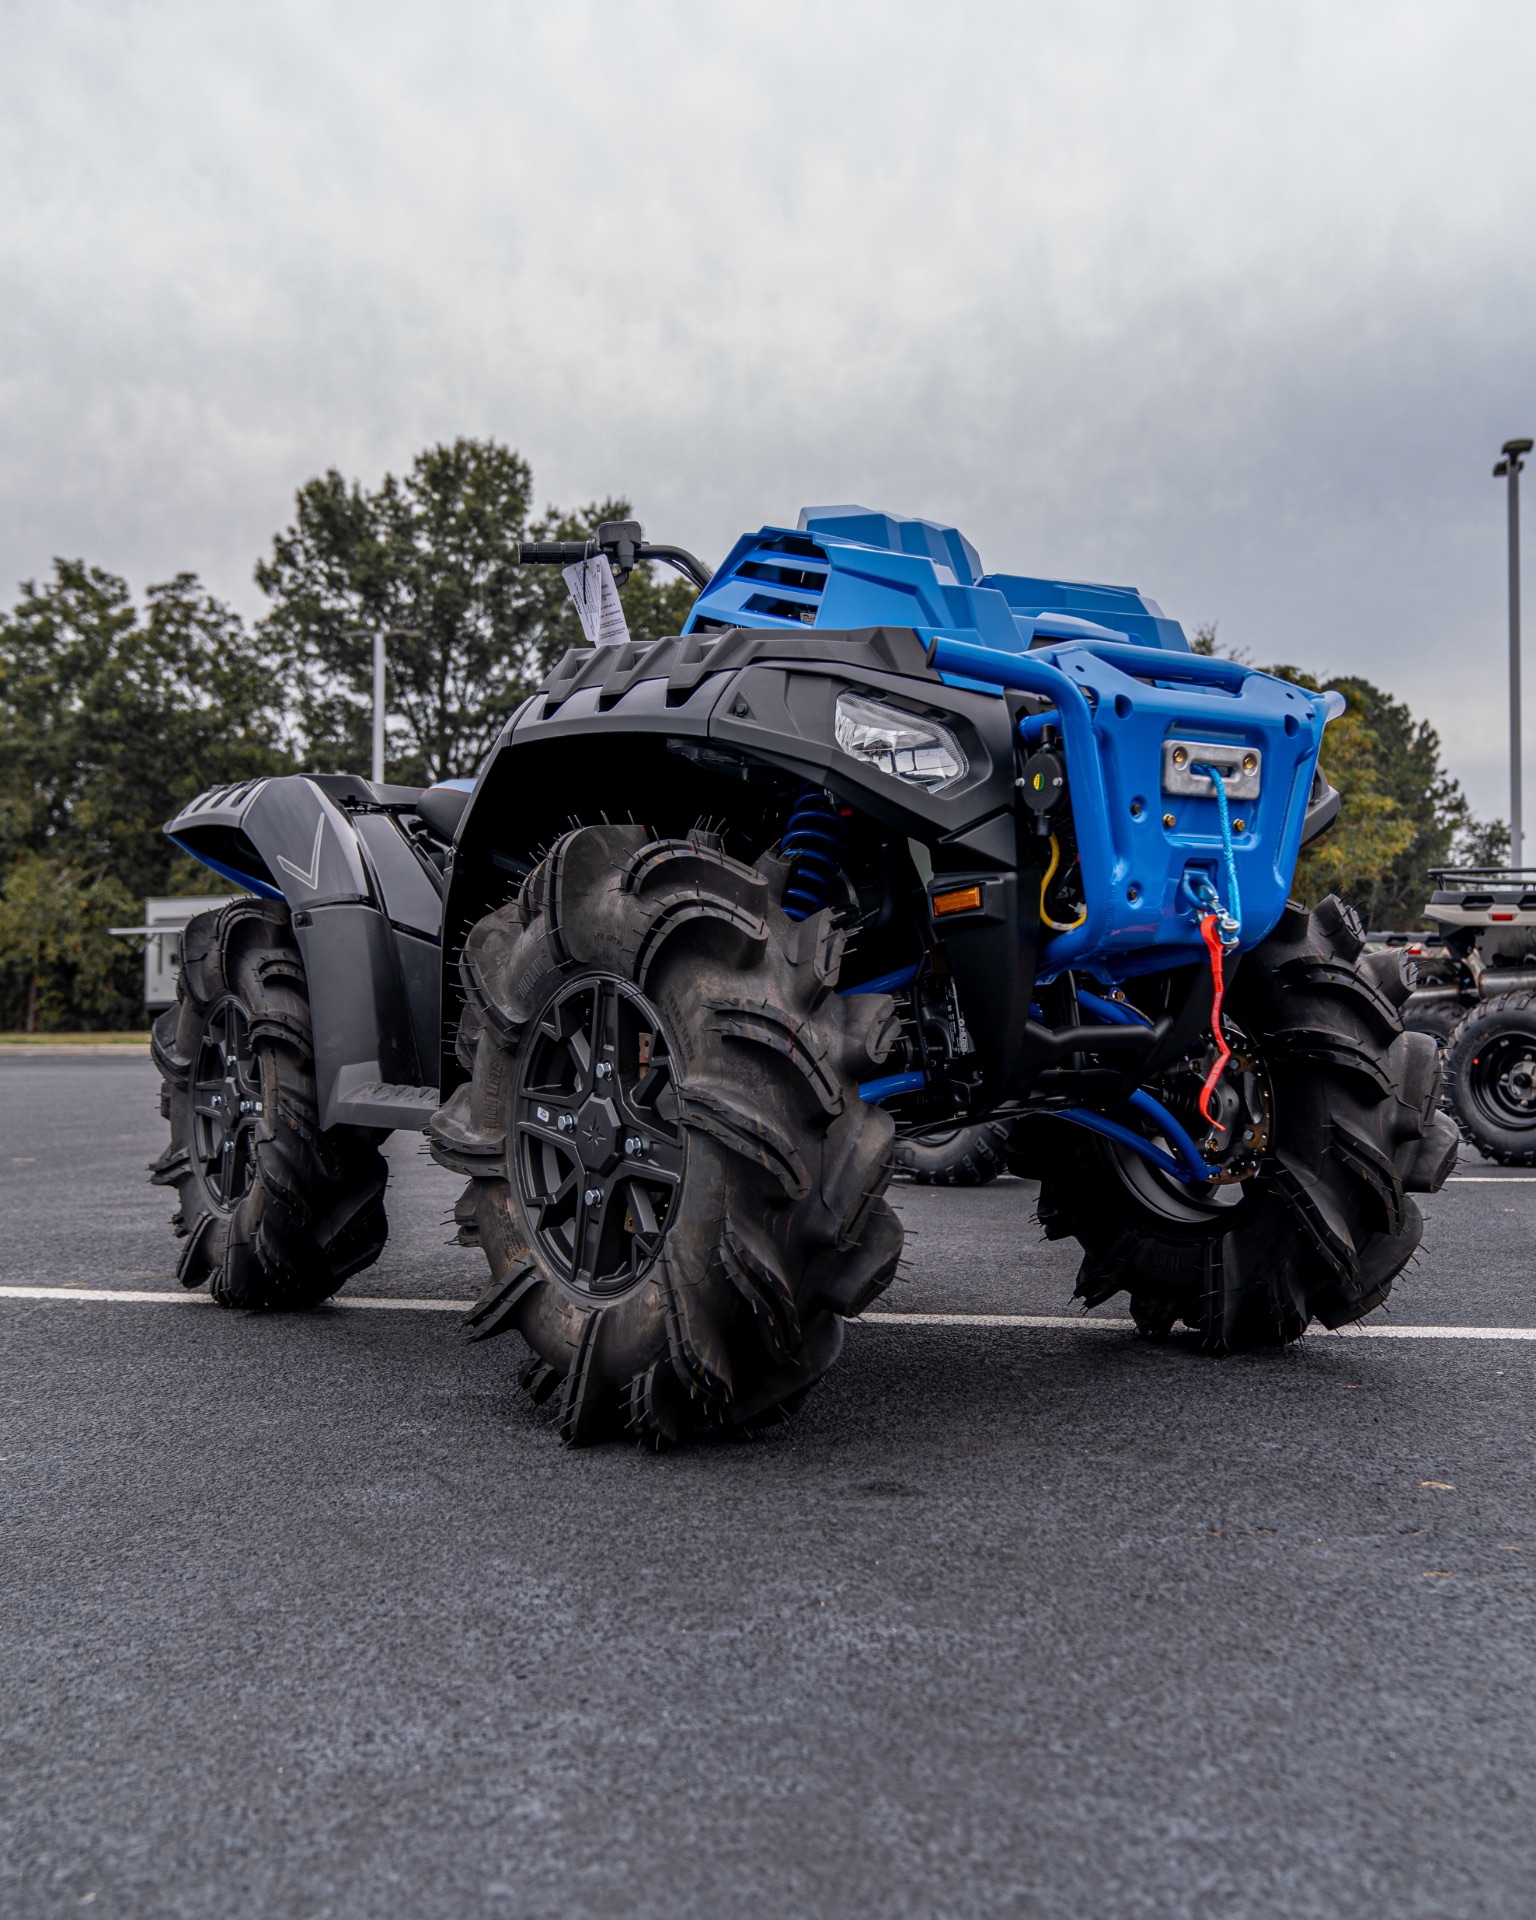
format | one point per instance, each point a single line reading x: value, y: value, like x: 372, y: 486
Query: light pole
x: 1509, y: 467
x: 377, y: 776
x: 383, y: 634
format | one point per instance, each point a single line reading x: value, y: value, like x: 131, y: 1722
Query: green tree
x: 111, y: 718
x: 432, y: 556
x: 1401, y: 813
x: 57, y: 961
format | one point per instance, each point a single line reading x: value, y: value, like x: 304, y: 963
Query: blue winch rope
x: 1232, y: 917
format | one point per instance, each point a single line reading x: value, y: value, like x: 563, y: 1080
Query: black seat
x: 442, y: 808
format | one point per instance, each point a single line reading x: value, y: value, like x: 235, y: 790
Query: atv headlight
x: 919, y: 751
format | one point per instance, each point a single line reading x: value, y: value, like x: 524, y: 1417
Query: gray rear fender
x: 367, y: 917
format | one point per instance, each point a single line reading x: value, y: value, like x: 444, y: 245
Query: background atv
x: 880, y: 845
x: 1475, y: 993
x: 954, y: 1156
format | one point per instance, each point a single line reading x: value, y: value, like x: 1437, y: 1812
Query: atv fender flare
x: 374, y: 1027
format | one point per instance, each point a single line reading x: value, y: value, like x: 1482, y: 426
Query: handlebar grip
x: 559, y: 553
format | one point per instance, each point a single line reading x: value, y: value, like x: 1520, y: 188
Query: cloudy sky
x: 1232, y: 302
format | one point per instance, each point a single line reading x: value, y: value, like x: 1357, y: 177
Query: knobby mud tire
x: 1471, y: 1091
x: 778, y: 1228
x: 967, y: 1157
x: 1325, y: 1225
x: 308, y: 1209
x: 1439, y: 1020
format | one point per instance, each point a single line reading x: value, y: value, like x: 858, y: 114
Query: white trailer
x: 164, y: 922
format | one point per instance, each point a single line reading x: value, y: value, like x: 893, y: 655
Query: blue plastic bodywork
x: 1121, y: 678
x: 1116, y: 705
x: 846, y: 567
x: 261, y: 888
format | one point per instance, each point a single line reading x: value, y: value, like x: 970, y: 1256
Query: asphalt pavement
x: 312, y: 1615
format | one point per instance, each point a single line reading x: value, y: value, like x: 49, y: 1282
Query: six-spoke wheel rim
x: 598, y: 1149
x: 226, y: 1104
x: 1502, y: 1080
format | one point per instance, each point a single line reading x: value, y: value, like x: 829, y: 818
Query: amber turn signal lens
x: 962, y: 900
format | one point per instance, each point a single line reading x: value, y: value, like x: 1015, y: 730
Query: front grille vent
x: 796, y: 567
x: 802, y: 610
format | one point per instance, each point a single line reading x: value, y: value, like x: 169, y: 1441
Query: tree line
x: 1401, y: 814
x: 113, y: 714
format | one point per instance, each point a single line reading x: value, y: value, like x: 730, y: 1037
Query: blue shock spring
x: 813, y: 845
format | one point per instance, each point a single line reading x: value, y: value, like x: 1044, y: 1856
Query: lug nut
x: 634, y: 1144
x: 566, y: 1122
x: 593, y: 1196
x: 603, y: 1069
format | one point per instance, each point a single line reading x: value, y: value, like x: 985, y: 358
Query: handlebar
x: 554, y: 553
x: 625, y: 545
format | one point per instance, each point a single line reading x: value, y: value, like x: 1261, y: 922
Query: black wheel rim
x: 226, y: 1104
x: 599, y: 1145
x: 1502, y: 1081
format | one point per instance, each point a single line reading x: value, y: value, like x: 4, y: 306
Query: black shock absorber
x: 813, y: 845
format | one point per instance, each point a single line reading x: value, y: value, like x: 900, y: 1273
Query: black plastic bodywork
x: 358, y: 872
x: 717, y: 731
x: 722, y: 730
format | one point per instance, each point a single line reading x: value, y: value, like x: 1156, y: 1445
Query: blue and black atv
x: 880, y: 846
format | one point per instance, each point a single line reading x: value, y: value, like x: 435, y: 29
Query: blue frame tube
x: 1188, y: 1166
x: 1112, y: 1130
x: 887, y: 982
x: 874, y: 1091
x: 1115, y: 1011
x: 1143, y: 1103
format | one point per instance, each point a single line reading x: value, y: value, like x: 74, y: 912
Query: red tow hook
x: 1212, y: 936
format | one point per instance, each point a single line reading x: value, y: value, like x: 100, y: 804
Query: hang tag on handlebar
x: 596, y: 599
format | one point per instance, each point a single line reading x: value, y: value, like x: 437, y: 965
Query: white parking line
x: 1066, y: 1322
x: 1493, y: 1179
x: 1076, y: 1322
x: 1080, y: 1323
x: 163, y: 1297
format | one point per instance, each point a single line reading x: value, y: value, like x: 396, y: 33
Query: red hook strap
x: 1212, y: 936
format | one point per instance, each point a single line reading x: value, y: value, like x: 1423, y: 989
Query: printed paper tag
x: 596, y: 598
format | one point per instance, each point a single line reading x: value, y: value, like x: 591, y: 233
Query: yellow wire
x: 1057, y: 926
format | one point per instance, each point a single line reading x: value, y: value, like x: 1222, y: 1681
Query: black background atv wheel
x: 1438, y: 1018
x: 956, y: 1157
x: 1490, y: 1078
x: 1324, y: 1224
x: 274, y: 1212
x: 671, y: 1173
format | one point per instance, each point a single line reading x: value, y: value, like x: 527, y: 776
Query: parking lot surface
x: 313, y: 1615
